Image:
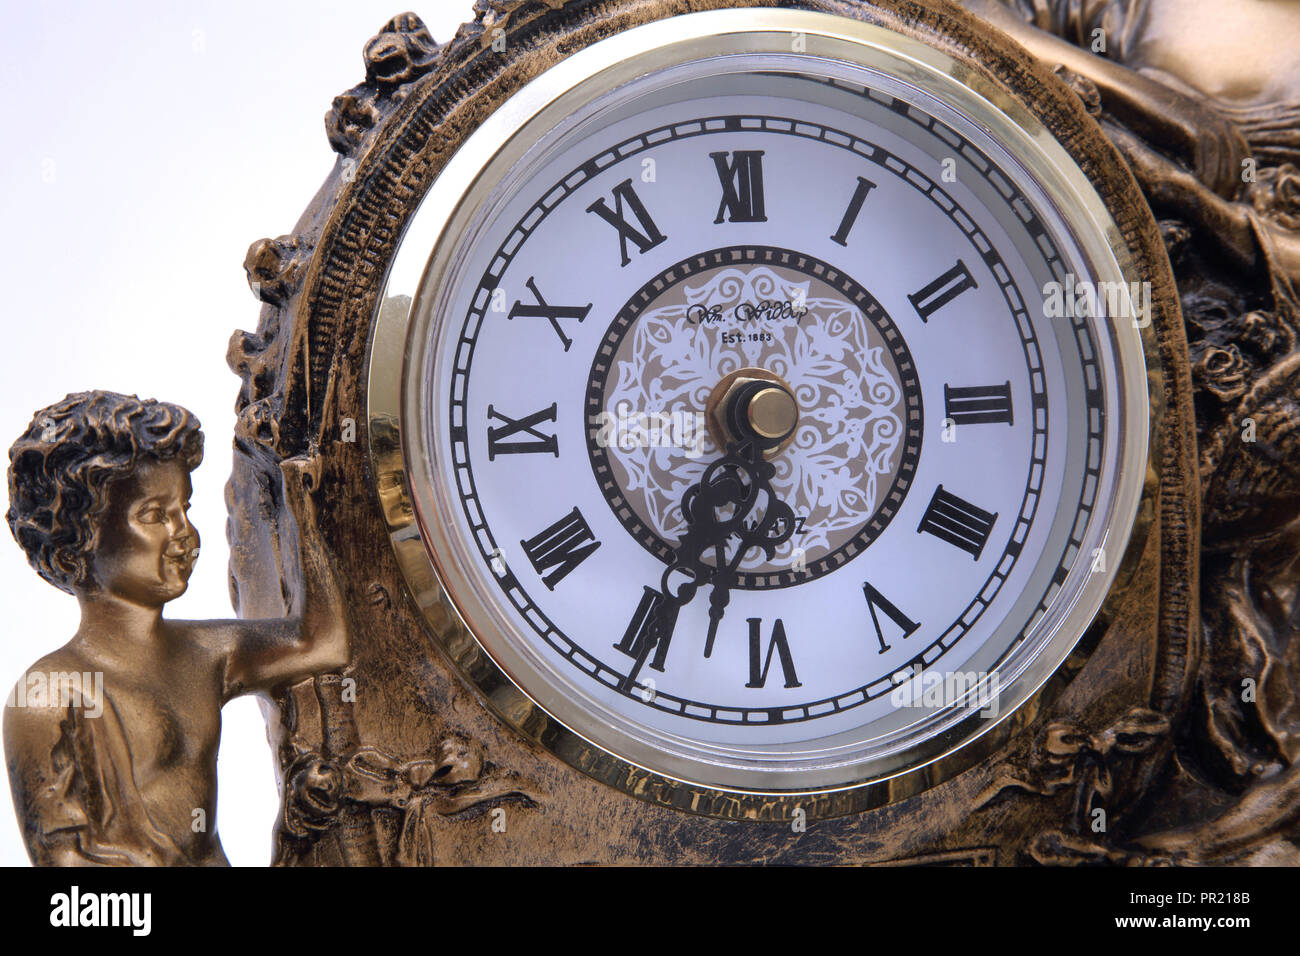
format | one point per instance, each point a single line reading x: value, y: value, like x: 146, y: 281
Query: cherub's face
x: 147, y: 546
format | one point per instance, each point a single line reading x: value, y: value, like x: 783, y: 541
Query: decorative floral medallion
x: 856, y: 446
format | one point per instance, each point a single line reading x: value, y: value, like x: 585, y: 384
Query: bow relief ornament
x: 421, y: 798
x: 1105, y: 772
x: 847, y: 447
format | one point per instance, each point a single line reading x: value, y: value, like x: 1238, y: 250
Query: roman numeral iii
x: 562, y: 547
x: 540, y: 442
x: 942, y: 290
x: 741, y: 175
x: 958, y: 522
x: 645, y: 235
x: 978, y: 405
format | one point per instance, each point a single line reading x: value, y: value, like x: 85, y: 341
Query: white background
x: 146, y: 145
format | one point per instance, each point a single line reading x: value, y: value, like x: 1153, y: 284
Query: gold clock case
x: 417, y: 744
x: 399, y: 456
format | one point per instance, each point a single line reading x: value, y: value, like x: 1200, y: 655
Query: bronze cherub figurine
x: 111, y: 741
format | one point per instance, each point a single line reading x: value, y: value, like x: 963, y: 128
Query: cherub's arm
x: 1269, y: 809
x: 265, y: 654
x: 1184, y: 125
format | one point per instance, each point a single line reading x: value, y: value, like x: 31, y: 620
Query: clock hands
x: 730, y: 511
x: 768, y: 523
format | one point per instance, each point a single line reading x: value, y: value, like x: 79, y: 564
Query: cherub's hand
x: 302, y: 475
x: 1178, y: 847
x: 1218, y: 151
x: 301, y: 472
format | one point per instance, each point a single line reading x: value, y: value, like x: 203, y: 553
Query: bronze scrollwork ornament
x: 1145, y: 710
x: 1214, y: 142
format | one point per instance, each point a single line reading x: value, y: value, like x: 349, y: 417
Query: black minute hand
x: 733, y: 499
x: 767, y: 524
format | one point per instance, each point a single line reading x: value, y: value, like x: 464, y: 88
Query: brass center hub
x: 772, y: 413
x: 753, y: 404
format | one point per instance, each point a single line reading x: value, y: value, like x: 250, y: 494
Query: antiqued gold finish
x: 396, y: 756
x: 1113, y: 728
x: 1214, y: 142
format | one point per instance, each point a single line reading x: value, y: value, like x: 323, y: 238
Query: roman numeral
x: 978, y: 405
x: 851, y: 214
x: 640, y: 639
x: 553, y: 313
x: 563, y: 546
x: 958, y: 522
x: 778, y: 646
x: 539, y: 444
x: 741, y: 175
x: 877, y: 601
x: 644, y: 238
x: 942, y: 290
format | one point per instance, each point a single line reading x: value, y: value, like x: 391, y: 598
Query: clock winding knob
x: 753, y: 405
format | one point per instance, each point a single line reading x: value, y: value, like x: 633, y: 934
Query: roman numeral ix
x: 539, y: 444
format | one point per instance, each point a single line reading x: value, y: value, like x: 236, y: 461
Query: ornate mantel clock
x: 748, y: 432
x: 740, y: 219
x: 717, y: 457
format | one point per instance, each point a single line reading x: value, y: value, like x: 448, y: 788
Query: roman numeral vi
x: 778, y: 646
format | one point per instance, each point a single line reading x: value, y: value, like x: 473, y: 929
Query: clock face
x: 740, y: 418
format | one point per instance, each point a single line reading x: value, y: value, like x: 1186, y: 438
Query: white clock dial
x: 835, y: 282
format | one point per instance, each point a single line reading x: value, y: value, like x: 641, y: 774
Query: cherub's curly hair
x: 61, y: 468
